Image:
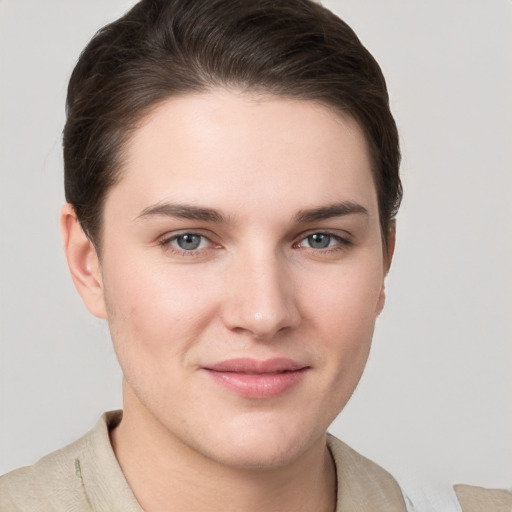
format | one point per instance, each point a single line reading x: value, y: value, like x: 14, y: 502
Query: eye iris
x: 319, y: 241
x: 188, y: 242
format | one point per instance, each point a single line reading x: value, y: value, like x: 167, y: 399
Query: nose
x: 261, y: 297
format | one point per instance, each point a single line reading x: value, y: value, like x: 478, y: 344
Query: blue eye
x: 189, y: 241
x: 320, y: 240
x: 325, y: 242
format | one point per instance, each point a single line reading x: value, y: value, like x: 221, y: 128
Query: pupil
x: 189, y: 242
x: 319, y: 241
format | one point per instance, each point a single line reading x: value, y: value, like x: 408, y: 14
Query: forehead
x: 230, y: 148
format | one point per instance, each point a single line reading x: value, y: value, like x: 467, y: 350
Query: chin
x: 257, y: 456
x: 260, y: 445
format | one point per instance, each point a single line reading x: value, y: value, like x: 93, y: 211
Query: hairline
x: 143, y: 115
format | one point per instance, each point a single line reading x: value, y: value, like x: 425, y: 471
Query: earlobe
x: 388, y: 257
x: 382, y: 299
x: 83, y: 262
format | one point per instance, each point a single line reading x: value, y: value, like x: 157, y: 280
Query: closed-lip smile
x: 258, y: 379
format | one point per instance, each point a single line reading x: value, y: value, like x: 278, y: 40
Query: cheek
x: 347, y: 299
x: 153, y: 309
x: 343, y: 314
x: 154, y: 320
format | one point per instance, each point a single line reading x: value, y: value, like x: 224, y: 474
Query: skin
x: 271, y: 169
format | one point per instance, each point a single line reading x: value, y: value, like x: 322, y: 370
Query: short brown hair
x: 164, y: 48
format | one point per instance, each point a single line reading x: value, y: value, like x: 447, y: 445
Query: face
x: 242, y: 271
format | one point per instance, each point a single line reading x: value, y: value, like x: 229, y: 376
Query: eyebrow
x: 330, y: 211
x: 183, y: 211
x: 190, y: 212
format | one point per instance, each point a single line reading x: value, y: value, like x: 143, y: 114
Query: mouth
x: 251, y: 378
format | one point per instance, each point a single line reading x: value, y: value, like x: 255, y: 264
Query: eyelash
x: 166, y: 243
x: 342, y: 243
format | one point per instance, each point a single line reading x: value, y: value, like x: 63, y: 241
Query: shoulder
x: 51, y: 484
x: 362, y: 484
x: 479, y: 499
x: 57, y: 482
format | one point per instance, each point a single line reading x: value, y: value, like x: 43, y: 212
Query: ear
x: 390, y: 249
x: 83, y: 262
x: 388, y: 257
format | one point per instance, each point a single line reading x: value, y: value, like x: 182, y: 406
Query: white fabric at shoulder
x: 430, y: 498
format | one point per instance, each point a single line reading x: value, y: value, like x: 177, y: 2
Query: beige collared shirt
x: 85, y: 477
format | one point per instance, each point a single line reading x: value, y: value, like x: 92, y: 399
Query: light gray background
x: 435, y: 399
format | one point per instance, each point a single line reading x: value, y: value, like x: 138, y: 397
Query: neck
x: 164, y: 473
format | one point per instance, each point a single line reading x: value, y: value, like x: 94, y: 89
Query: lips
x: 251, y: 378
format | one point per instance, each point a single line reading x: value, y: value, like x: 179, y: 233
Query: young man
x: 232, y: 181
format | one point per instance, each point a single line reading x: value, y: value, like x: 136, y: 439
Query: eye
x: 189, y: 242
x: 324, y: 242
x: 193, y: 245
x: 320, y: 241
